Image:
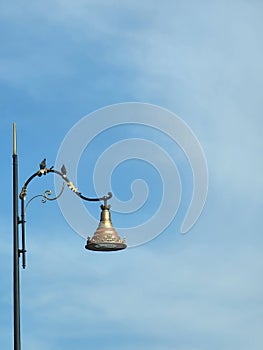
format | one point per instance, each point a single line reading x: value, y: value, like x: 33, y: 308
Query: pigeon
x: 43, y: 164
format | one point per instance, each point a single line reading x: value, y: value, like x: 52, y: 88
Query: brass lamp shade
x: 105, y: 238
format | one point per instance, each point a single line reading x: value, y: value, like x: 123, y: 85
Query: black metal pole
x: 16, y: 282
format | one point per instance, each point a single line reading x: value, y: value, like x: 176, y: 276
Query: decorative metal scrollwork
x: 45, y: 196
x: 43, y: 170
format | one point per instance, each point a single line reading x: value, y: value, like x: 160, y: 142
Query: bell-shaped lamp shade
x: 105, y: 238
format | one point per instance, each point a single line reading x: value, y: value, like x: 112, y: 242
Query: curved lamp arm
x: 44, y: 171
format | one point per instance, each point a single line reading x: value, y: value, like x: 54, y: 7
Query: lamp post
x: 104, y: 239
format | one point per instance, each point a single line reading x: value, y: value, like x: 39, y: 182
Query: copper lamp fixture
x: 105, y: 237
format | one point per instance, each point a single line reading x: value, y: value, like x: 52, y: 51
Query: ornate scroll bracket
x: 43, y: 170
x: 45, y: 196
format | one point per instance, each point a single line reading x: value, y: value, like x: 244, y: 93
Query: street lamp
x: 104, y: 239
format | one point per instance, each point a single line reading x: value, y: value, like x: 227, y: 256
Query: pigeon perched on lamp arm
x: 43, y: 164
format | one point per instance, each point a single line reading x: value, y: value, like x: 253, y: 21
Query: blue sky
x: 61, y: 60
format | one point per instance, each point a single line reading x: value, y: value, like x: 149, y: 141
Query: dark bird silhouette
x: 63, y: 170
x: 43, y: 164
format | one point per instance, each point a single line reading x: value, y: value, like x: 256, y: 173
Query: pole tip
x: 14, y: 139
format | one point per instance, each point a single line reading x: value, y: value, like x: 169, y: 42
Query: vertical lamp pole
x: 104, y: 239
x: 16, y: 277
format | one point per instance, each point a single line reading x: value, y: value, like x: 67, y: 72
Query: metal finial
x: 14, y: 139
x: 63, y: 170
